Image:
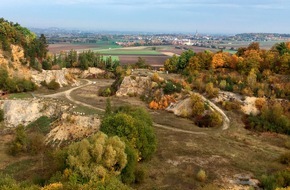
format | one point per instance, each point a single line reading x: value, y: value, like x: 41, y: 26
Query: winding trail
x: 67, y: 93
x: 88, y: 82
x: 226, y: 120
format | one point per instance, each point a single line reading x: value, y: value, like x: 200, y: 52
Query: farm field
x: 57, y: 48
x: 123, y: 51
x: 151, y: 60
x: 114, y: 58
x: 263, y: 44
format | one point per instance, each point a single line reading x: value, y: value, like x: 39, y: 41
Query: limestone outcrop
x: 134, y: 86
x: 73, y: 127
x: 63, y: 77
x: 15, y: 66
x: 181, y: 108
x: 23, y: 112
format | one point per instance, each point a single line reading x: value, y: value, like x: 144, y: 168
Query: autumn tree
x: 198, y: 107
x: 97, y: 157
x: 205, y: 59
x: 254, y: 46
x: 220, y: 59
x: 252, y: 79
x: 171, y: 64
x: 252, y: 60
x: 194, y: 65
x: 211, y: 90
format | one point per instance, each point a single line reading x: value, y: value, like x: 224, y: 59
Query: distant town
x: 129, y: 39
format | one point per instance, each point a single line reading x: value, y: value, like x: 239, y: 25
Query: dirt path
x: 88, y: 82
x: 226, y: 120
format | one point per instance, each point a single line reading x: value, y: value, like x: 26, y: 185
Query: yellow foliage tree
x: 218, y: 60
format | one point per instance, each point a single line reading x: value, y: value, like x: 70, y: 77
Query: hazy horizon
x: 157, y: 16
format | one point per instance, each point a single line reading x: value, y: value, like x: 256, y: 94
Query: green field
x: 114, y: 58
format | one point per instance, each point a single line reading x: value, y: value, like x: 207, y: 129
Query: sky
x: 168, y: 16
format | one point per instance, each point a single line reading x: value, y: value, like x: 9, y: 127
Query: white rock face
x: 73, y: 127
x: 181, y: 108
x: 134, y: 85
x: 23, y: 112
x: 49, y: 75
x: 92, y: 71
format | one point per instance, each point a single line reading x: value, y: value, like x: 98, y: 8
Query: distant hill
x: 262, y: 35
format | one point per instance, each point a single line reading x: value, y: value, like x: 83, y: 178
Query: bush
x: 128, y: 173
x: 106, y: 92
x: 171, y: 87
x: 20, y: 142
x: 216, y: 119
x: 210, y: 90
x: 140, y: 174
x: 276, y: 180
x: 1, y: 115
x: 227, y: 105
x: 272, y: 118
x: 53, y: 85
x: 201, y: 175
x: 285, y: 158
x: 198, y: 107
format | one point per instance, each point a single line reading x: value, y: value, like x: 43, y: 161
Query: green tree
x: 97, y: 157
x: 135, y: 125
x: 171, y: 64
x: 183, y: 60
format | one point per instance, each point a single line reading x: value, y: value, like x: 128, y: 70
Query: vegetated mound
x: 20, y: 50
x: 73, y: 127
x: 23, y: 112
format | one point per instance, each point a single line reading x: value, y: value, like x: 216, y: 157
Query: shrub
x: 198, y: 107
x: 155, y: 77
x: 285, y: 158
x: 276, y: 180
x: 227, y: 105
x: 128, y: 173
x: 259, y: 103
x: 1, y: 115
x: 53, y: 85
x: 201, y: 175
x: 210, y: 90
x: 272, y: 118
x: 106, y: 92
x: 216, y: 119
x: 140, y: 174
x: 20, y: 142
x: 171, y: 87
